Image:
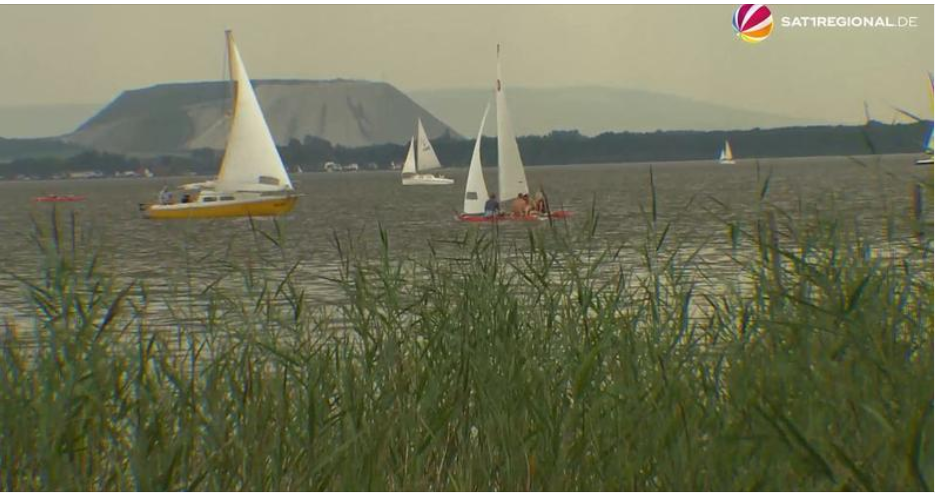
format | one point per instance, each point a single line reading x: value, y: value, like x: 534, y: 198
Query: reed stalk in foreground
x: 551, y: 364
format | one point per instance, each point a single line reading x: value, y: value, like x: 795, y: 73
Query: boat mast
x: 231, y: 69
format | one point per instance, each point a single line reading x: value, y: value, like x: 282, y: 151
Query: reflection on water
x: 697, y: 198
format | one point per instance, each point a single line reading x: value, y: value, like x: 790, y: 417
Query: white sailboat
x: 727, y: 156
x: 511, y: 175
x: 252, y: 180
x: 421, y: 158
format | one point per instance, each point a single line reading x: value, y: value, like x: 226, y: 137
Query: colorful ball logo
x: 753, y: 23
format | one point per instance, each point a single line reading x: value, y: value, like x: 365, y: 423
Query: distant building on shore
x: 84, y: 175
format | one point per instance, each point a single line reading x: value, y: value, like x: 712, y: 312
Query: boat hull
x: 427, y: 180
x: 924, y: 161
x: 472, y: 218
x: 727, y: 161
x: 273, y: 206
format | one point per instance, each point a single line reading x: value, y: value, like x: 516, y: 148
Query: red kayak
x: 59, y: 198
x: 470, y: 218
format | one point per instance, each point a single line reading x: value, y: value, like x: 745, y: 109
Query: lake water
x: 695, y: 196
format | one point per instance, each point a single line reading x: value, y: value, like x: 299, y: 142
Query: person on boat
x: 540, y: 205
x: 492, y: 206
x: 520, y: 206
x: 530, y: 207
x: 165, y: 196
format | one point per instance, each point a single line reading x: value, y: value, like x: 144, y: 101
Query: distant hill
x: 43, y: 120
x: 594, y: 110
x: 186, y: 116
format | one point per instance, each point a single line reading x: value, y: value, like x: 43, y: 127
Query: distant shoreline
x: 53, y: 158
x: 741, y: 163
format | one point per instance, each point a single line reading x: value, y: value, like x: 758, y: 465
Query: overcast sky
x: 89, y: 54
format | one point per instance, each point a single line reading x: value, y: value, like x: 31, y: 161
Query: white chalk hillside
x: 185, y: 116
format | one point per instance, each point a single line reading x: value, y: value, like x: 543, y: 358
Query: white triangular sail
x: 511, y: 177
x: 426, y: 159
x: 409, y: 166
x: 475, y: 192
x: 727, y: 154
x: 251, y: 161
x: 928, y: 145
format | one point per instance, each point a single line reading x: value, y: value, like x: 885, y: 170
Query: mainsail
x: 426, y: 159
x: 251, y: 161
x: 511, y: 177
x: 475, y: 192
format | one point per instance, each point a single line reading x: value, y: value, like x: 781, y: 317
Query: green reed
x: 549, y: 363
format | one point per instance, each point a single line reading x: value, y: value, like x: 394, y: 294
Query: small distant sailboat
x: 928, y: 150
x: 421, y: 158
x: 511, y: 175
x: 252, y: 180
x: 727, y: 156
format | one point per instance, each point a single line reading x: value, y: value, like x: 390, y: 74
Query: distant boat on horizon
x: 59, y: 198
x: 727, y: 156
x: 252, y: 180
x: 928, y: 148
x: 420, y: 158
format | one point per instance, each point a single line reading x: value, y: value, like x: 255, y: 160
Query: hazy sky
x: 88, y: 54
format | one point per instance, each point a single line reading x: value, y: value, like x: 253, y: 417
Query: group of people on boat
x: 522, y: 206
x: 166, y: 197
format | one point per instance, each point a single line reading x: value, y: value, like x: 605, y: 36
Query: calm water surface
x: 694, y: 195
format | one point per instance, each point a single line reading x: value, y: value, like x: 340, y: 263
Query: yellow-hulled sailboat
x: 252, y: 180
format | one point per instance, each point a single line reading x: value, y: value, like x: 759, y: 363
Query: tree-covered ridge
x: 13, y: 149
x: 556, y: 148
